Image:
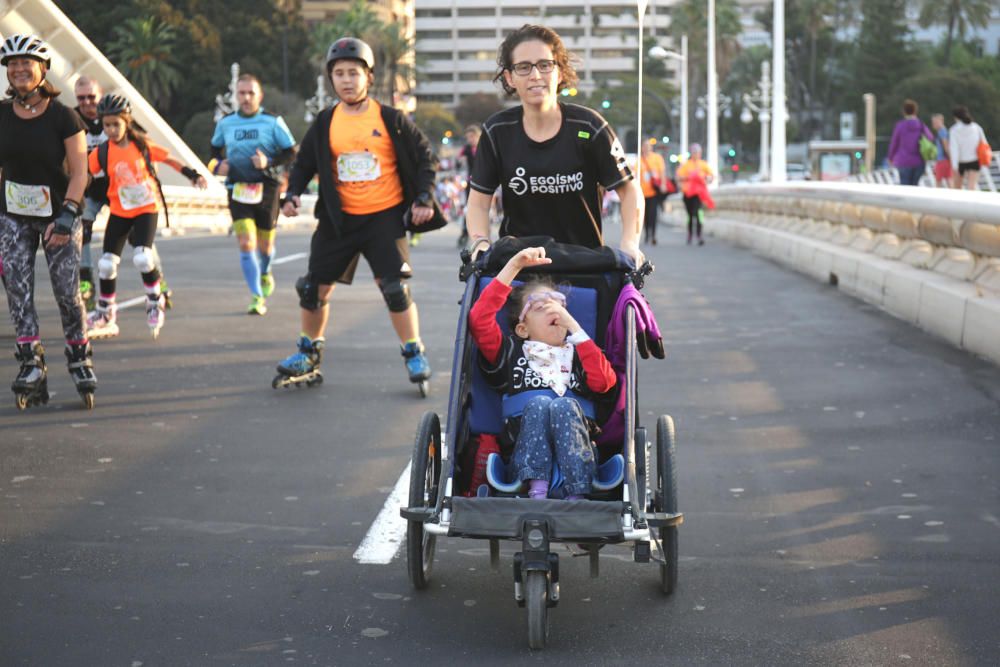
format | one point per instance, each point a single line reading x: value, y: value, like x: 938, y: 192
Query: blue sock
x: 264, y: 261
x: 251, y: 271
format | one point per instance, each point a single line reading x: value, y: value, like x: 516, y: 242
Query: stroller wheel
x: 425, y: 470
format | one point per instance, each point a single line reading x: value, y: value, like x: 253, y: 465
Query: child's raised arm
x: 524, y: 259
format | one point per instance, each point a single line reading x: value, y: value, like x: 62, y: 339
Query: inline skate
x: 302, y: 367
x: 81, y: 370
x: 31, y: 385
x: 416, y: 366
x: 155, y: 314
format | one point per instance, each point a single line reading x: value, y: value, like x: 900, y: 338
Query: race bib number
x: 29, y: 200
x: 248, y: 193
x: 357, y: 167
x: 136, y: 196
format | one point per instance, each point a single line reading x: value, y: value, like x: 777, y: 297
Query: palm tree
x: 142, y: 48
x: 390, y: 44
x: 957, y: 15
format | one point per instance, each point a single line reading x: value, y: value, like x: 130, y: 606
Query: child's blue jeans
x: 555, y: 425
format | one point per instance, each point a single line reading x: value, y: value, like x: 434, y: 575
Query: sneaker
x: 416, y: 363
x: 154, y: 315
x: 102, y: 323
x: 267, y: 284
x: 414, y: 240
x: 168, y: 294
x: 257, y: 306
x: 87, y: 294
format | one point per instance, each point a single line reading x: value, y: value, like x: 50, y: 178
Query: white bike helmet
x: 25, y: 46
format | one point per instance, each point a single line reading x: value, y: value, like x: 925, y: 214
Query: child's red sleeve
x: 483, y: 323
x: 600, y: 376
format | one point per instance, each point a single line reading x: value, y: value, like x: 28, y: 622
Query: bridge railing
x: 951, y: 231
x: 927, y: 255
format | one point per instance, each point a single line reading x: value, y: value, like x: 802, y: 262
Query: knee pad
x: 308, y: 290
x: 143, y: 259
x: 107, y: 266
x: 396, y: 294
x: 243, y: 226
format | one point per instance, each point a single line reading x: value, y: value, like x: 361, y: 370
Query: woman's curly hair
x: 526, y: 33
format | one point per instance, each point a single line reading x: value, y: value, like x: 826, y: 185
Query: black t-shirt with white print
x: 98, y: 188
x: 32, y: 156
x: 550, y: 188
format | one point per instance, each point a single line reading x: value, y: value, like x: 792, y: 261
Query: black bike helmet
x: 25, y: 46
x: 112, y: 104
x: 350, y: 48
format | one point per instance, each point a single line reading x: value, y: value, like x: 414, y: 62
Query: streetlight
x: 713, y: 94
x: 759, y: 103
x: 779, y: 114
x: 226, y: 103
x: 723, y: 106
x: 660, y: 53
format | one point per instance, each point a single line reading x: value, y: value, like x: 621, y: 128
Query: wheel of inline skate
x: 425, y: 387
x: 276, y: 382
x: 316, y: 381
x: 88, y: 400
x: 21, y: 401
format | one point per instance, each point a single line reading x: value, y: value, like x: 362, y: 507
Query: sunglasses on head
x: 537, y: 300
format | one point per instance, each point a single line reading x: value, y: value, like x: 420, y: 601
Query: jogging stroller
x: 631, y: 501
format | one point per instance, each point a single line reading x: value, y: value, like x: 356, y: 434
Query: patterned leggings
x: 19, y: 241
x: 555, y: 425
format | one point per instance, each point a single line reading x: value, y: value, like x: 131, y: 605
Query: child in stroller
x: 548, y: 370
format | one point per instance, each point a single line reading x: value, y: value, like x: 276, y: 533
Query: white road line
x: 290, y: 258
x: 387, y: 532
x: 131, y: 302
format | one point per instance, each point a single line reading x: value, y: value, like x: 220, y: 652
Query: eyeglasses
x: 524, y: 68
x: 86, y: 98
x: 536, y: 301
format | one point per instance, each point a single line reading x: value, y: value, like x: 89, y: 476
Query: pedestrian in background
x: 942, y: 167
x: 964, y: 138
x: 904, y: 148
x: 654, y: 188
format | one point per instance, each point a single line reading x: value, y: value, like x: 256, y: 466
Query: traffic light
x: 665, y: 139
x: 732, y: 152
x: 736, y: 168
x: 606, y: 104
x: 857, y: 155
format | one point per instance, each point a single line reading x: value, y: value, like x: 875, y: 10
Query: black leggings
x: 693, y: 206
x: 650, y: 218
x: 143, y: 230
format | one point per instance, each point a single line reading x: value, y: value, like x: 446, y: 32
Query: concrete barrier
x: 928, y: 256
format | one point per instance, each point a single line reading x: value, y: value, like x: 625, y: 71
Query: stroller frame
x: 646, y: 514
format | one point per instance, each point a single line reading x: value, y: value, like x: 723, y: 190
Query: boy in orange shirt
x: 376, y: 177
x: 135, y: 208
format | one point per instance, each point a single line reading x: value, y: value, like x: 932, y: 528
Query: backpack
x: 102, y: 161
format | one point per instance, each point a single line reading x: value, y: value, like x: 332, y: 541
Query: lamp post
x: 759, y: 103
x: 713, y: 94
x: 660, y: 53
x: 779, y: 115
x: 227, y: 102
x: 319, y: 101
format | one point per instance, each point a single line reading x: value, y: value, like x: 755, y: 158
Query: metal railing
x: 988, y: 178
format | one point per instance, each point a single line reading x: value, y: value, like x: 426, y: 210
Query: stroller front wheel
x: 425, y: 471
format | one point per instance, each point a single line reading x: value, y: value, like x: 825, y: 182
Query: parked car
x: 796, y: 171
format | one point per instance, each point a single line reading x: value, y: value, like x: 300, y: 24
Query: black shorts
x: 971, y: 165
x: 264, y: 214
x: 139, y: 231
x: 380, y: 237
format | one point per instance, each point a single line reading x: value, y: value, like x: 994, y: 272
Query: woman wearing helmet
x: 126, y: 160
x: 41, y: 204
x: 376, y: 171
x: 549, y: 158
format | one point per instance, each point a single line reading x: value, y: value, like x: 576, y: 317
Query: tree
x: 476, y: 108
x: 434, y: 120
x: 957, y: 15
x: 939, y: 90
x: 884, y: 54
x: 143, y: 49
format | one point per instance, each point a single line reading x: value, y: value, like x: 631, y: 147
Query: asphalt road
x: 838, y: 470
